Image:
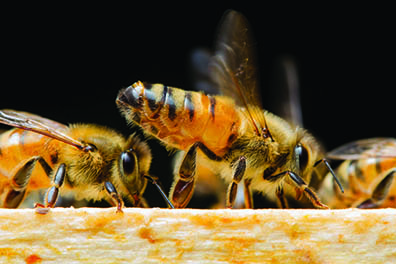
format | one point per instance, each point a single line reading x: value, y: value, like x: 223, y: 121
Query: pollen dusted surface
x: 200, y: 236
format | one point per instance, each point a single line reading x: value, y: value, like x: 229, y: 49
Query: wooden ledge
x: 93, y: 235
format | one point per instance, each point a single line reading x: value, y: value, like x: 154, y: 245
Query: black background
x: 67, y: 63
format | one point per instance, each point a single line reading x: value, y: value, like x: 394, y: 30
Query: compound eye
x: 301, y: 154
x: 128, y: 159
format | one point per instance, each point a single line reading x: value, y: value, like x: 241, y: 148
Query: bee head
x: 133, y: 164
x: 298, y: 158
x: 301, y: 157
x: 305, y: 153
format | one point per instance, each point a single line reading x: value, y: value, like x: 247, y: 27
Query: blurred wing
x: 199, y: 69
x: 233, y: 68
x: 38, y: 125
x: 365, y: 148
x: 285, y: 92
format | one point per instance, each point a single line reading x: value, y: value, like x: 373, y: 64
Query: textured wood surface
x: 92, y: 235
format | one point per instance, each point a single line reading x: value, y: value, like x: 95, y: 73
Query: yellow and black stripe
x: 178, y: 117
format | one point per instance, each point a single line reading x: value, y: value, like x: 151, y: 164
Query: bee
x: 230, y: 133
x: 367, y: 172
x: 94, y: 162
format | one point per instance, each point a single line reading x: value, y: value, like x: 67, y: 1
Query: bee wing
x: 38, y: 125
x: 199, y: 70
x: 233, y: 67
x: 365, y: 148
x: 285, y: 91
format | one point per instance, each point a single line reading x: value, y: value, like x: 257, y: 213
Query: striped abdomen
x: 17, y: 146
x: 180, y: 118
x: 366, y: 171
x: 361, y: 178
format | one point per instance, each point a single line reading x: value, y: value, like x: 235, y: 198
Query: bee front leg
x: 238, y: 172
x: 182, y: 191
x: 53, y: 192
x: 281, y: 197
x: 19, y: 183
x: 115, y: 197
x: 137, y: 201
x: 142, y: 202
x: 311, y: 195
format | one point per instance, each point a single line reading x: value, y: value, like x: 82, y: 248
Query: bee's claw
x: 41, y: 209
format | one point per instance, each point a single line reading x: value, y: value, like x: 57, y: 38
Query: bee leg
x: 380, y: 192
x: 281, y: 197
x: 53, y: 192
x: 182, y: 191
x: 116, y: 199
x: 299, y: 193
x: 248, y: 194
x: 382, y: 189
x: 210, y: 154
x: 143, y: 203
x: 19, y: 183
x: 311, y: 195
x: 238, y: 172
x: 139, y: 201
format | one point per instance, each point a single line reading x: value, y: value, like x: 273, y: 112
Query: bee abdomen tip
x: 130, y: 97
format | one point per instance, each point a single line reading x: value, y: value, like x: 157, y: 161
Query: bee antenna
x: 154, y: 182
x: 331, y: 171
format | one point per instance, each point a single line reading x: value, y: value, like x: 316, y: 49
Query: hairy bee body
x: 91, y: 161
x: 368, y: 176
x: 229, y: 133
x: 184, y: 118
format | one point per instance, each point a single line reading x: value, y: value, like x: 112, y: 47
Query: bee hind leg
x: 53, y: 192
x: 19, y: 183
x: 182, y: 191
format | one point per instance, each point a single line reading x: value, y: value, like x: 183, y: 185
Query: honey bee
x: 367, y: 173
x: 230, y: 133
x: 94, y: 162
